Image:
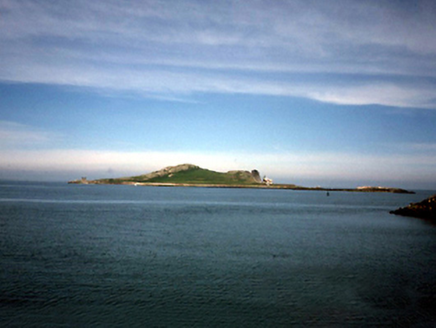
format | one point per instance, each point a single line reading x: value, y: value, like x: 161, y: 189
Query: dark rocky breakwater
x: 425, y: 209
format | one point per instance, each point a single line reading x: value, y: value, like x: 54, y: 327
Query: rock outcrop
x: 256, y: 176
x: 168, y: 171
x: 242, y: 176
x: 425, y: 209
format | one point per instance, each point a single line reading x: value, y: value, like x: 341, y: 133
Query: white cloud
x: 420, y: 147
x: 387, y: 93
x: 174, y: 47
x: 169, y: 84
x: 14, y: 134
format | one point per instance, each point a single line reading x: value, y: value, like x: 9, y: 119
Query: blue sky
x: 331, y: 93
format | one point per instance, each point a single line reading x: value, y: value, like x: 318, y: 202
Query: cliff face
x: 245, y: 176
x: 425, y: 209
x: 256, y: 176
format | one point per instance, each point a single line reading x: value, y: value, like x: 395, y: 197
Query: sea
x: 126, y: 256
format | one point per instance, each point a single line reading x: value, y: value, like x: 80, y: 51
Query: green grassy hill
x: 191, y: 174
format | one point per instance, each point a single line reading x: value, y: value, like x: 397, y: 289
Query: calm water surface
x: 75, y: 255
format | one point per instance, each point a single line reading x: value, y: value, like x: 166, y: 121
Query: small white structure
x: 267, y: 181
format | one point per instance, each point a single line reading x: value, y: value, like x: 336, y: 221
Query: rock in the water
x: 425, y: 209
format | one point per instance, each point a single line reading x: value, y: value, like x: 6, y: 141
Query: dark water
x: 76, y: 255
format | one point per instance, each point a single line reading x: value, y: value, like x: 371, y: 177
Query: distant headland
x: 189, y: 175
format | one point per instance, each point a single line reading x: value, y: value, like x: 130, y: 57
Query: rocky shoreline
x: 425, y: 209
x: 252, y: 186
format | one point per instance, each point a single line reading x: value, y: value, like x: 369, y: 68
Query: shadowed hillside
x: 191, y: 174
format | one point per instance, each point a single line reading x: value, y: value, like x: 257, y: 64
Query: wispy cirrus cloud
x: 16, y: 135
x: 168, y: 84
x: 187, y: 47
x: 419, y: 147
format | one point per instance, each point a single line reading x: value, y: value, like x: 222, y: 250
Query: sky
x: 318, y: 93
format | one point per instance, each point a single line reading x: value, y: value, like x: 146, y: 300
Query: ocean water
x: 112, y: 256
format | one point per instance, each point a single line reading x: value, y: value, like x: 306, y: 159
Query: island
x: 425, y: 209
x: 189, y: 175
